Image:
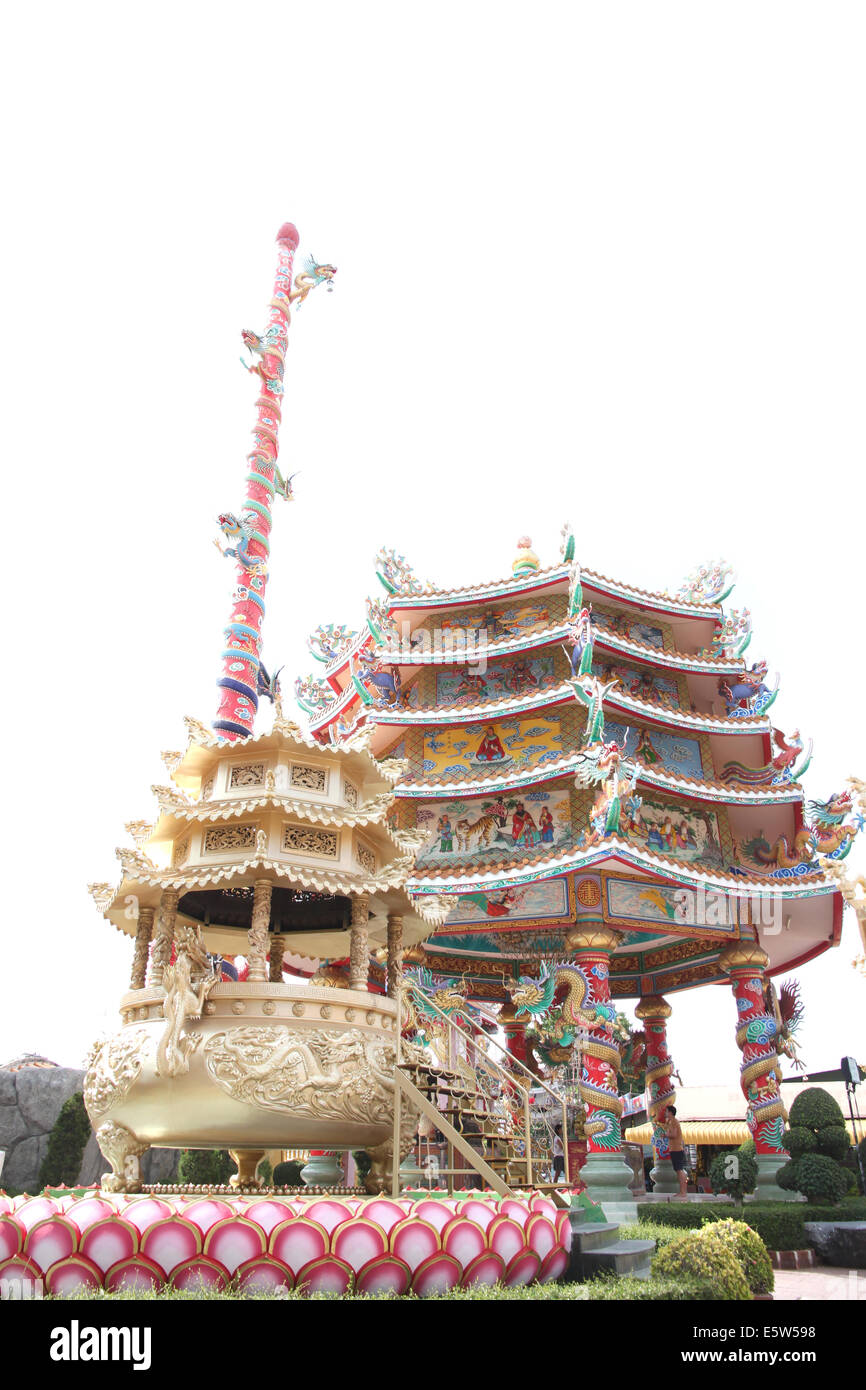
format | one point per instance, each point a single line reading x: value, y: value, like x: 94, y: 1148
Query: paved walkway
x: 822, y: 1282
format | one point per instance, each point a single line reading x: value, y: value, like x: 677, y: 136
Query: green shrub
x: 265, y: 1172
x: 799, y: 1140
x: 815, y: 1108
x: 779, y: 1224
x: 288, y: 1174
x: 749, y: 1249
x: 748, y: 1147
x: 833, y: 1141
x: 735, y: 1173
x: 701, y: 1255
x: 205, y: 1167
x: 363, y: 1164
x: 821, y: 1179
x: 646, y: 1230
x: 66, y: 1143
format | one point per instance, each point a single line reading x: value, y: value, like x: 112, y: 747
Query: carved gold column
x: 359, y: 948
x: 257, y: 936
x: 143, y: 933
x: 164, y: 940
x: 278, y: 946
x: 395, y: 953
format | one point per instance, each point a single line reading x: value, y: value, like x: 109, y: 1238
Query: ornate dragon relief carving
x: 302, y: 840
x: 112, y: 1067
x: 314, y: 779
x: 327, y: 1073
x: 135, y: 864
x: 222, y: 837
x: 138, y: 829
x: 101, y: 893
x: 198, y: 732
x: 247, y: 775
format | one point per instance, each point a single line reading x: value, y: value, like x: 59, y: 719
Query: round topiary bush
x: 815, y: 1108
x: 735, y: 1173
x: 799, y: 1140
x: 821, y: 1179
x: 288, y: 1173
x: 834, y: 1142
x: 786, y: 1177
x: 749, y: 1249
x: 205, y: 1167
x: 703, y: 1256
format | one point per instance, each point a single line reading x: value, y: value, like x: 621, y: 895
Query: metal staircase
x: 482, y: 1108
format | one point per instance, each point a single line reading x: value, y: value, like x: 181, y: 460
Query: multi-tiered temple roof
x: 496, y: 718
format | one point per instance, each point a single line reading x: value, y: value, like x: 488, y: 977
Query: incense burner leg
x: 653, y: 1011
x: 123, y: 1150
x: 247, y: 1161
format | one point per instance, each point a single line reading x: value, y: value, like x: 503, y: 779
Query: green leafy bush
x: 779, y: 1224
x: 702, y: 1255
x: 735, y: 1173
x: 749, y: 1249
x: 66, y: 1144
x: 265, y: 1172
x: 818, y: 1144
x: 288, y: 1174
x: 205, y: 1167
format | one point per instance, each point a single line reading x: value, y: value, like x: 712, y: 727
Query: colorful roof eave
x: 659, y: 867
x: 712, y: 792
x: 545, y: 578
x: 483, y: 711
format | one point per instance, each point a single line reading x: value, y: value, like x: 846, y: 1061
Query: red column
x: 756, y: 1037
x: 654, y: 1012
x: 249, y: 533
x: 600, y: 1056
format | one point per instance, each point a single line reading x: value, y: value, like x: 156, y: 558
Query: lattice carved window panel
x: 180, y: 853
x: 302, y: 839
x: 311, y: 779
x: 247, y: 775
x: 350, y: 793
x: 365, y: 857
x: 229, y: 837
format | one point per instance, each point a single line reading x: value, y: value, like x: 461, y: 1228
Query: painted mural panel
x: 623, y: 626
x: 519, y: 676
x: 659, y: 750
x: 503, y: 745
x: 500, y: 828
x: 501, y: 622
x: 640, y: 682
x: 513, y: 904
x: 651, y: 903
x: 683, y: 832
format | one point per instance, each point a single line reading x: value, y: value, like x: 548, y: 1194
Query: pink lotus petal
x: 386, y: 1274
x: 206, y: 1212
x: 135, y: 1274
x: 325, y: 1275
x: 385, y: 1213
x: 51, y: 1240
x: 564, y: 1234
x: 437, y: 1213
x: 268, y: 1213
x: 554, y: 1265
x: 482, y: 1213
x: 358, y: 1241
x: 518, y: 1211
x: 144, y: 1211
x: 234, y: 1241
x: 437, y: 1274
x: 35, y: 1209
x: 523, y: 1269
x: 264, y: 1274
x: 487, y: 1268
x: 541, y: 1235
x: 171, y: 1243
x: 72, y: 1274
x: 200, y: 1273
x: 109, y: 1242
x: 88, y: 1210
x: 414, y: 1241
x: 298, y: 1242
x: 464, y: 1240
x: 12, y: 1235
x: 505, y: 1237
x: 329, y: 1214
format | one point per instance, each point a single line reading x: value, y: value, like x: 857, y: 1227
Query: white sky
x: 602, y: 262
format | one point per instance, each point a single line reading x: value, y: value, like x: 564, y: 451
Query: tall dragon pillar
x: 606, y: 1174
x: 760, y: 1072
x: 239, y: 682
x: 654, y: 1012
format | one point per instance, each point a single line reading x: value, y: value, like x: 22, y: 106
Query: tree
x: 205, y: 1167
x: 735, y: 1172
x: 66, y: 1142
x: 817, y: 1141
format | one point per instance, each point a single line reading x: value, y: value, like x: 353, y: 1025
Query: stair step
x: 592, y: 1237
x: 621, y: 1257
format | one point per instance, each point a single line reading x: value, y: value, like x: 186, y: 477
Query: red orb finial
x: 289, y: 232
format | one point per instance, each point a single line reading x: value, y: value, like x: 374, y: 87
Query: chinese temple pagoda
x: 603, y: 812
